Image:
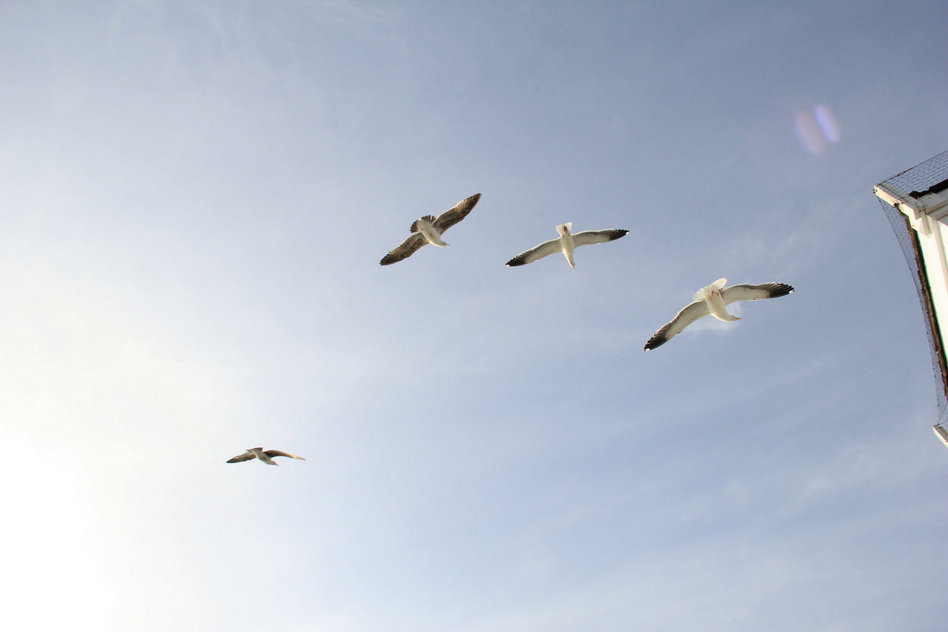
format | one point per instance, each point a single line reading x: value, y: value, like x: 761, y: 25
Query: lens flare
x: 827, y: 122
x: 817, y: 129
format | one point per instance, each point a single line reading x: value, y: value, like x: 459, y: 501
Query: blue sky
x: 194, y: 200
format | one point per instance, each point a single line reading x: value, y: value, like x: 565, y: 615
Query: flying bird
x: 428, y: 230
x: 264, y: 455
x: 566, y: 242
x: 712, y: 300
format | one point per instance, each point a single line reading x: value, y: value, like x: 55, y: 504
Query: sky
x: 194, y: 198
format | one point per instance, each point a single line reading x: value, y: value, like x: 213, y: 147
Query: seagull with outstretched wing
x: 428, y: 230
x: 713, y: 300
x: 565, y: 243
x: 264, y: 455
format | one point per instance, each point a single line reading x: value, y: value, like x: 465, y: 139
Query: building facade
x: 916, y: 204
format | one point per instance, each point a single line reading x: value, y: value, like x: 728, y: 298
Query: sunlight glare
x: 51, y: 578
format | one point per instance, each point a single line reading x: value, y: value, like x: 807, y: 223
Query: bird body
x: 566, y: 243
x: 713, y: 300
x: 713, y: 295
x: 429, y: 229
x: 426, y: 226
x: 264, y: 455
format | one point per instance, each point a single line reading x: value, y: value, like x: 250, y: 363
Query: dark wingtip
x: 781, y: 289
x: 516, y: 261
x: 655, y: 342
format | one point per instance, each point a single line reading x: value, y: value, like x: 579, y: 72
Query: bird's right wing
x: 543, y: 250
x: 681, y: 320
x: 404, y: 250
x: 246, y: 456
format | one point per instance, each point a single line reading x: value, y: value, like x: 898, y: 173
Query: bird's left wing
x: 597, y: 236
x: 246, y: 456
x: 273, y: 453
x: 454, y: 215
x: 748, y: 292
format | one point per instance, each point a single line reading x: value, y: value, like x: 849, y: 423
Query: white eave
x: 912, y: 208
x: 941, y: 433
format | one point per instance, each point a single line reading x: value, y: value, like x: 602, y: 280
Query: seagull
x: 712, y: 300
x: 264, y: 455
x: 428, y: 230
x: 566, y: 242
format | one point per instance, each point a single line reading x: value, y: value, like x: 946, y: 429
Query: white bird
x: 712, y: 300
x: 264, y: 455
x: 428, y: 230
x: 566, y: 242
